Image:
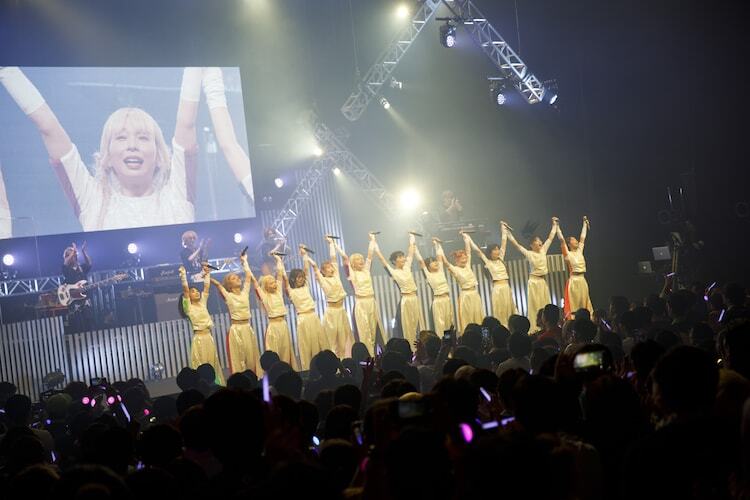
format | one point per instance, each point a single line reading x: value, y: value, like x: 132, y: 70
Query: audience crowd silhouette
x: 643, y: 400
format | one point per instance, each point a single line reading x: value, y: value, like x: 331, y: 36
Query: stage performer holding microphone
x: 311, y: 338
x: 538, y: 290
x: 442, y: 307
x: 335, y: 322
x: 137, y: 180
x: 469, y: 302
x: 242, y: 343
x: 366, y: 313
x: 576, y: 288
x: 502, y: 298
x: 194, y: 305
x: 409, y: 316
x: 278, y: 336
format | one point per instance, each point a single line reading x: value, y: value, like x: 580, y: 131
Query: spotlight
x: 497, y: 91
x: 279, y: 182
x: 410, y: 199
x: 318, y: 151
x: 396, y: 84
x: 553, y: 99
x: 336, y: 171
x: 237, y: 237
x: 8, y: 259
x: 402, y: 12
x: 448, y: 35
x: 384, y: 102
x: 132, y: 248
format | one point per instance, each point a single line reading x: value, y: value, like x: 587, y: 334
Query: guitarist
x: 80, y: 314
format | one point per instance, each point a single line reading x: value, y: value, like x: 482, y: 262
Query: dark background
x: 652, y: 95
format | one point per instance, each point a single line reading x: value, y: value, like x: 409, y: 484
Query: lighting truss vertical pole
x: 497, y: 49
x: 371, y: 85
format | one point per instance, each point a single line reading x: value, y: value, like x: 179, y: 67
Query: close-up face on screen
x: 103, y: 148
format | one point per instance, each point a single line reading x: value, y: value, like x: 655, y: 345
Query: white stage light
x: 336, y: 171
x: 384, y: 102
x: 8, y: 259
x: 402, y: 11
x: 279, y: 182
x: 448, y: 35
x: 237, y: 237
x: 500, y: 99
x: 410, y: 199
x: 132, y: 248
x: 318, y: 151
x: 553, y: 99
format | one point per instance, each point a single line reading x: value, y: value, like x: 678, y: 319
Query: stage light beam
x: 9, y: 259
x: 132, y: 248
x: 384, y: 102
x: 402, y: 11
x: 336, y: 171
x: 278, y: 182
x: 410, y: 199
x: 318, y: 151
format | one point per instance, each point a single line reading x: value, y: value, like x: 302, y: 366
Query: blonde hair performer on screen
x: 137, y: 180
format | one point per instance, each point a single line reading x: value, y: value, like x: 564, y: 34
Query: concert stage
x: 31, y: 349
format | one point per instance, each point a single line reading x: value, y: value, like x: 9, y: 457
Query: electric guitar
x: 68, y: 294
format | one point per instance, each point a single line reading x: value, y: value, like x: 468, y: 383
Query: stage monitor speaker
x: 167, y: 306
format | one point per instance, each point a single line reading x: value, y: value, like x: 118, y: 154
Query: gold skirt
x: 442, y: 314
x: 279, y: 340
x: 502, y: 302
x: 469, y: 309
x: 311, y: 339
x: 242, y: 350
x: 203, y: 350
x: 538, y: 298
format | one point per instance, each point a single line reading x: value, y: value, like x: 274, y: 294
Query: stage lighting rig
x: 498, y: 90
x: 396, y: 84
x: 384, y: 102
x: 447, y: 32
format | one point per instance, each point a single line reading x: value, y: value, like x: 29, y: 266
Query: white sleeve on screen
x: 177, y: 182
x: 85, y: 189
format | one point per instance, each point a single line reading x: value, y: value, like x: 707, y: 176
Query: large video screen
x: 92, y: 149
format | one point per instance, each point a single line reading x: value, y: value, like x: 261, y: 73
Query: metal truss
x: 27, y: 286
x: 336, y: 155
x: 497, y: 49
x: 379, y: 74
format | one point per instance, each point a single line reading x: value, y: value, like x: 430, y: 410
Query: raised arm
x: 370, y: 251
x: 31, y: 102
x: 476, y: 248
x: 86, y: 256
x: 315, y: 268
x: 190, y: 94
x: 235, y: 155
x: 440, y: 254
x: 551, y: 236
x: 467, y: 248
x: 563, y: 244
x: 515, y: 243
x: 584, y: 231
x: 206, y: 283
x: 410, y: 252
x: 420, y: 259
x: 183, y: 280
x: 249, y: 278
x: 379, y: 254
x: 281, y: 271
x: 503, y: 239
x: 220, y: 288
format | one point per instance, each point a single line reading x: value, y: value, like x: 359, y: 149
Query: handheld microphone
x: 468, y: 231
x: 308, y: 250
x: 279, y: 254
x: 244, y: 251
x: 333, y: 237
x: 508, y: 226
x: 416, y: 234
x: 212, y: 267
x: 374, y: 232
